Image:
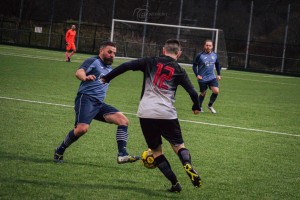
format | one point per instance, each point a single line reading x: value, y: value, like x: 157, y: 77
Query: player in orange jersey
x: 70, y: 43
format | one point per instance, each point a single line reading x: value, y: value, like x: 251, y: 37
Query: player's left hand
x: 219, y: 78
x: 196, y: 112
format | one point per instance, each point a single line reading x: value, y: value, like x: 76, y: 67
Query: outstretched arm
x: 132, y: 65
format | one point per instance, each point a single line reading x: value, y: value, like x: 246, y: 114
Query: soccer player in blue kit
x: 157, y: 114
x: 203, y: 67
x: 89, y: 104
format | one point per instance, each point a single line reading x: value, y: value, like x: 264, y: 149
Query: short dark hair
x: 208, y: 40
x: 172, y: 46
x: 107, y: 43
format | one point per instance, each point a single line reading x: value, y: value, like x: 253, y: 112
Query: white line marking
x: 39, y: 102
x: 246, y: 79
x: 36, y: 57
x: 194, y: 122
x: 236, y: 127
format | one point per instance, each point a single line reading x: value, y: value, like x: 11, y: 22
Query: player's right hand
x: 90, y: 78
x: 199, y: 77
x: 66, y: 44
x: 196, y: 112
x: 196, y: 109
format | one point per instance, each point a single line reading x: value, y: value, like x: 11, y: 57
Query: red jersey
x: 70, y: 36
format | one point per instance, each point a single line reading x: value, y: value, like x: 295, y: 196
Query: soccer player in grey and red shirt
x: 157, y: 114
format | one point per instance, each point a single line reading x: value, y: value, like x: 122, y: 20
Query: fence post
x: 249, y: 36
x: 29, y: 38
x: 145, y: 28
x: 79, y: 23
x: 94, y: 41
x: 61, y: 41
x: 215, y: 19
x: 51, y: 23
x: 179, y: 22
x: 1, y: 28
x: 285, y: 37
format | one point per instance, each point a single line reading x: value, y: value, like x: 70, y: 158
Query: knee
x: 123, y: 121
x: 80, y: 130
x: 117, y: 118
x: 176, y: 148
x: 216, y: 91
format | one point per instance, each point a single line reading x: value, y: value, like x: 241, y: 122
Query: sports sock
x: 122, y: 138
x: 69, y: 139
x: 164, y: 166
x: 213, y: 98
x: 184, y: 156
x: 201, y: 98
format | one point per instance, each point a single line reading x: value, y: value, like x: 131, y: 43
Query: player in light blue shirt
x: 89, y: 104
x: 203, y: 67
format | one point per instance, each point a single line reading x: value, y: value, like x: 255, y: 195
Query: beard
x: 108, y: 61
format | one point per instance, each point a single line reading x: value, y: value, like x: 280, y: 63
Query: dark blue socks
x: 122, y: 138
x: 213, y: 98
x: 69, y: 139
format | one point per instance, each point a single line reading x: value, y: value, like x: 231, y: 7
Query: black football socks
x: 164, y: 166
x: 184, y: 156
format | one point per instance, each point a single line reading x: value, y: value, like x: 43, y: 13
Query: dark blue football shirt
x: 204, y: 65
x: 96, y: 88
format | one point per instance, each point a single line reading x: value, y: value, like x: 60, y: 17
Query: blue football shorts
x: 88, y: 108
x: 205, y: 85
x: 154, y: 129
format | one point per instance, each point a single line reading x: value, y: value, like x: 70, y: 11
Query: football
x: 148, y: 159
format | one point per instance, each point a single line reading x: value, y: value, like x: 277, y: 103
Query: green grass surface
x: 248, y: 150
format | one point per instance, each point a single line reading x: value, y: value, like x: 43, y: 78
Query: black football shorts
x: 155, y: 129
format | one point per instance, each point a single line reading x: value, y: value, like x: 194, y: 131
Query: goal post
x: 139, y: 39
